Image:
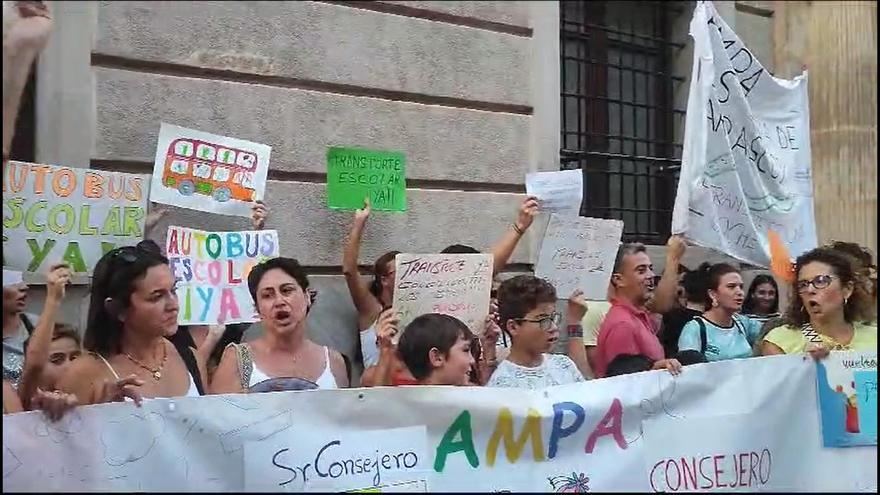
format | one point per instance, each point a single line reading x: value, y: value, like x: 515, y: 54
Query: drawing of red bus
x: 220, y: 172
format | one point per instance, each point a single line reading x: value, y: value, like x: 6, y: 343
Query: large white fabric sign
x: 716, y: 426
x: 746, y: 159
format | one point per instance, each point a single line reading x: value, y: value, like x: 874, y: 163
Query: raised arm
x: 380, y: 374
x: 365, y: 302
x: 503, y: 249
x: 37, y: 356
x: 666, y: 291
x: 577, y: 308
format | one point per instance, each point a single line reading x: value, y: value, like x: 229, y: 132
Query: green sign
x: 355, y: 174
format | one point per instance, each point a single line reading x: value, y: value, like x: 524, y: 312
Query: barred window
x: 618, y: 118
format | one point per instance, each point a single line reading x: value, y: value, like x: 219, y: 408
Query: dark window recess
x: 23, y: 147
x: 618, y: 119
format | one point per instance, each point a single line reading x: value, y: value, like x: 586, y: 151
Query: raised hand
x: 259, y: 214
x: 675, y: 247
x: 491, y: 331
x: 54, y: 404
x: 387, y: 329
x: 577, y: 307
x: 118, y: 390
x: 57, y: 279
x: 363, y: 214
x: 526, y: 214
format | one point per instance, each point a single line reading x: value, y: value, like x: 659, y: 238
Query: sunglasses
x: 545, y: 323
x: 819, y: 282
x: 130, y: 254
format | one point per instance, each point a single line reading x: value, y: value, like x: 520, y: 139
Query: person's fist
x: 363, y: 214
x: 675, y: 247
x: 387, y: 329
x: 577, y: 307
x: 57, y: 279
x: 526, y: 214
x: 259, y: 214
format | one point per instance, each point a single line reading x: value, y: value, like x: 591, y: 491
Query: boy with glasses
x: 527, y: 313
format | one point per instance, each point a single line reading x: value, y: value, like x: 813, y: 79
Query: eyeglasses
x: 819, y: 282
x: 545, y: 323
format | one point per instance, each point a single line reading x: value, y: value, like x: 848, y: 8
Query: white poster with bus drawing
x: 458, y: 285
x: 578, y: 253
x: 746, y: 161
x: 208, y: 172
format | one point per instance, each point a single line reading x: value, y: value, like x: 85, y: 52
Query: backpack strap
x: 27, y: 323
x: 245, y: 364
x: 702, y: 334
x: 192, y: 365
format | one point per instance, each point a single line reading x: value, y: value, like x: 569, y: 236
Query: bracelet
x: 575, y: 331
x: 518, y: 230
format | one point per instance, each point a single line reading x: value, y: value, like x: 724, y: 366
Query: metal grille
x: 618, y: 118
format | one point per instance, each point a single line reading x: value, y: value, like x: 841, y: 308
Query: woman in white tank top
x: 279, y: 288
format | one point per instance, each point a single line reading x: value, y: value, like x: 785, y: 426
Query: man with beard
x: 628, y: 327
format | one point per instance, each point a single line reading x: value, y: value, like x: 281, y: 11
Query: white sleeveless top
x: 369, y: 347
x: 193, y: 391
x: 325, y: 381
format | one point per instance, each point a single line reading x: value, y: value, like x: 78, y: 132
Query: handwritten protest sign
x: 55, y: 213
x: 310, y: 460
x: 847, y: 391
x: 212, y: 269
x: 354, y: 174
x: 557, y: 192
x: 578, y: 253
x: 454, y: 284
x: 207, y: 172
x: 11, y: 277
x: 745, y: 168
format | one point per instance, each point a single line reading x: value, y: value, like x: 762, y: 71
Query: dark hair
x: 290, y: 266
x: 65, y: 331
x: 428, y: 331
x: 624, y: 364
x: 761, y: 279
x: 858, y: 307
x: 114, y: 277
x: 865, y: 266
x: 694, y: 283
x: 460, y: 249
x: 380, y: 268
x: 690, y: 356
x: 521, y: 294
x: 712, y: 277
x: 627, y: 249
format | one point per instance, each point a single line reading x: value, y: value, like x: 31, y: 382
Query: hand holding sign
x: 577, y: 307
x: 363, y: 214
x: 259, y: 214
x: 526, y: 214
x: 387, y: 329
x: 56, y: 280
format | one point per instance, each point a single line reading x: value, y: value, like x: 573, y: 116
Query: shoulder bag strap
x: 702, y: 334
x: 192, y: 365
x: 245, y: 364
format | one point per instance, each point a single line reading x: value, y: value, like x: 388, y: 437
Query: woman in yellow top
x: 830, y: 310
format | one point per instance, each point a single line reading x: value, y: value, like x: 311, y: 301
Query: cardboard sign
x: 458, y: 285
x: 578, y: 253
x: 557, y: 192
x: 53, y: 214
x: 847, y: 391
x: 355, y: 174
x: 207, y: 172
x: 212, y: 269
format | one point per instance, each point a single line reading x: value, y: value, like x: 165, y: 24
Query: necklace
x: 157, y: 373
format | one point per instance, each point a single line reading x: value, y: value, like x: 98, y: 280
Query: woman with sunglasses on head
x: 829, y: 311
x: 133, y: 308
x: 279, y: 288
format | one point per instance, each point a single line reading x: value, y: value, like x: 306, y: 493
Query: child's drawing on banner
x: 847, y: 391
x: 208, y: 172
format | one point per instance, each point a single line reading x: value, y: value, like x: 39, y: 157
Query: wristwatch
x: 575, y: 331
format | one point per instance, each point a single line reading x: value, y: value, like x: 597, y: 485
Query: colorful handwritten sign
x: 458, y: 285
x: 55, y: 213
x: 355, y: 174
x: 592, y: 436
x: 207, y: 172
x: 578, y: 253
x: 557, y: 192
x: 847, y: 390
x: 212, y: 269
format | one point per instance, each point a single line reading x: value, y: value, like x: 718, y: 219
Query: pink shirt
x: 626, y: 330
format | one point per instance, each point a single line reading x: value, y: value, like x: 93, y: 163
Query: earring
x: 845, y: 301
x: 714, y: 303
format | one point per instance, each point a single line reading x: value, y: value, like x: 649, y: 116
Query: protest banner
x: 847, y: 389
x: 212, y: 269
x: 458, y: 285
x: 11, y: 277
x: 557, y: 192
x: 578, y: 253
x: 746, y: 159
x: 355, y: 174
x: 75, y: 215
x: 208, y: 172
x: 601, y: 435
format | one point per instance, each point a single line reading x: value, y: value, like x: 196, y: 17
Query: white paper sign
x: 11, y: 277
x: 208, y: 172
x: 578, y: 253
x: 303, y: 459
x: 557, y: 192
x: 746, y: 158
x: 75, y: 215
x: 211, y: 269
x: 458, y: 285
